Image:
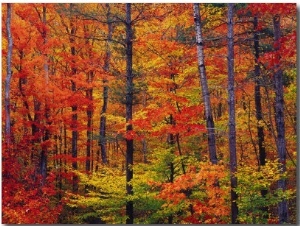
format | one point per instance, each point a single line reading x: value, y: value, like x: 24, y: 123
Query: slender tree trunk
x: 144, y: 141
x: 129, y: 103
x: 231, y: 105
x: 102, y: 139
x: 65, y: 147
x: 60, y: 165
x: 204, y: 87
x: 89, y: 113
x: 258, y: 107
x: 36, y: 137
x: 74, y: 106
x: 43, y: 158
x: 8, y: 76
x: 171, y: 142
x: 279, y: 119
x: 173, y: 122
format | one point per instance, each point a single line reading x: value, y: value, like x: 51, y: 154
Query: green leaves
x: 251, y: 182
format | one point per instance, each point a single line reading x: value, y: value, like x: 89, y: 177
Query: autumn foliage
x: 65, y: 158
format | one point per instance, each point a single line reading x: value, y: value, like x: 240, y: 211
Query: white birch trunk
x: 204, y: 87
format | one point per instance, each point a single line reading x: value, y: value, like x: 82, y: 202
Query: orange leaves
x: 198, y: 189
x: 159, y: 114
x: 142, y: 124
x: 171, y: 193
x: 188, y: 113
x: 186, y: 121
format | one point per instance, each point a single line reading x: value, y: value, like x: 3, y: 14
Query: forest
x: 149, y: 113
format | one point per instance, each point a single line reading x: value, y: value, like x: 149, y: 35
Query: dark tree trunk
x: 258, y: 107
x: 65, y: 148
x: 279, y: 119
x: 171, y: 143
x: 89, y: 113
x: 36, y: 137
x: 8, y: 76
x: 204, y: 88
x: 89, y: 110
x: 129, y: 102
x: 102, y: 139
x: 231, y: 106
x: 43, y: 160
x: 74, y: 106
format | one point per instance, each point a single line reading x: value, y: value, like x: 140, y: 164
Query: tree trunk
x: 231, y: 106
x: 129, y: 102
x: 8, y: 76
x: 89, y: 113
x: 74, y: 106
x: 43, y: 163
x: 258, y: 107
x: 204, y: 88
x: 36, y: 137
x: 102, y: 139
x: 171, y: 142
x: 279, y: 119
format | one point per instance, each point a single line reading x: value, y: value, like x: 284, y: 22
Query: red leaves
x: 25, y: 201
x: 131, y: 135
x: 260, y: 9
x: 286, y: 47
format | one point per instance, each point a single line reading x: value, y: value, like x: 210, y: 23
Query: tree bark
x: 74, y: 106
x: 279, y: 118
x: 89, y: 113
x: 231, y: 106
x: 258, y: 107
x: 129, y: 103
x: 204, y: 88
x: 102, y: 139
x: 8, y: 76
x: 43, y: 160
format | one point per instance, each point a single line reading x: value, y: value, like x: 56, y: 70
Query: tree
x: 279, y: 118
x: 8, y: 76
x: 43, y: 158
x: 102, y: 139
x: 204, y: 87
x: 231, y: 124
x: 74, y: 106
x: 258, y: 107
x: 129, y: 103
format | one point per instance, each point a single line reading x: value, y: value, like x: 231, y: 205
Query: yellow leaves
x: 105, y: 192
x: 251, y: 182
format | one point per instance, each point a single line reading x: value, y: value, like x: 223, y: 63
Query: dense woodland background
x: 148, y: 113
